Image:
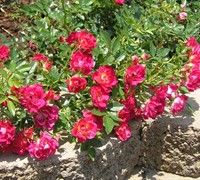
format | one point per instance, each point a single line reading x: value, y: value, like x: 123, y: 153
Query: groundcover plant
x: 82, y: 70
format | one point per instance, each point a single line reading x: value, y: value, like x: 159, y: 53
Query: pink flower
x: 31, y: 97
x: 135, y: 59
x: 7, y: 133
x: 145, y: 56
x: 83, y: 40
x: 125, y: 114
x: 86, y: 41
x: 62, y: 39
x: 120, y: 2
x: 99, y: 97
x: 4, y: 52
x: 48, y: 65
x: 84, y: 129
x: 81, y: 62
x: 46, y: 117
x: 22, y: 141
x: 182, y: 16
x: 191, y: 42
x: 193, y: 80
x: 105, y: 76
x: 72, y: 38
x: 178, y: 104
x: 98, y: 120
x: 50, y: 95
x: 154, y: 108
x: 76, y: 84
x: 135, y: 74
x: 123, y: 131
x: 40, y: 57
x: 45, y: 147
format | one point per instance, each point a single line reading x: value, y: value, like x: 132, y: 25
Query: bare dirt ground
x: 9, y: 18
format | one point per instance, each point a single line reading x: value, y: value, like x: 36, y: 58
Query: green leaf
x: 24, y: 68
x: 91, y: 153
x: 12, y: 65
x: 13, y: 98
x: 163, y: 52
x: 11, y: 107
x: 183, y: 90
x: 115, y: 106
x: 3, y: 98
x: 115, y: 45
x: 109, y: 60
x: 97, y: 113
x: 114, y: 116
x: 3, y: 73
x: 152, y: 49
x: 106, y: 38
x: 120, y: 57
x: 109, y: 124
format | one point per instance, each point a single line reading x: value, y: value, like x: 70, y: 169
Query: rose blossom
x: 145, y: 56
x: 135, y: 74
x: 81, y: 61
x: 45, y: 147
x: 179, y: 104
x: 76, y: 84
x: 7, y: 132
x: 135, y: 59
x: 120, y: 2
x: 123, y: 131
x: 99, y: 97
x: 182, y: 16
x: 40, y: 57
x: 193, y: 80
x: 46, y: 117
x: 31, y: 97
x: 22, y: 141
x: 84, y: 129
x: 4, y: 52
x: 98, y: 120
x: 105, y: 76
x: 83, y: 40
x: 154, y: 108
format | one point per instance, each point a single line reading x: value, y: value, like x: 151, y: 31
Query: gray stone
x: 114, y: 160
x: 172, y: 143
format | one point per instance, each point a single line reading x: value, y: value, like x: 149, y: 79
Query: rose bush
x: 89, y: 68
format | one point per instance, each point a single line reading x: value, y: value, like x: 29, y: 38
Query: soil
x: 9, y: 19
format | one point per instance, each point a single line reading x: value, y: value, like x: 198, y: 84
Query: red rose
x: 178, y: 104
x: 99, y: 97
x: 120, y: 2
x: 98, y: 120
x: 84, y: 129
x: 154, y: 107
x: 45, y: 147
x: 40, y: 57
x: 81, y: 62
x: 123, y: 131
x: 83, y: 40
x: 76, y: 84
x: 31, y: 97
x: 193, y: 80
x: 4, y: 52
x: 46, y: 117
x: 22, y: 141
x: 7, y: 133
x: 105, y: 76
x: 135, y: 74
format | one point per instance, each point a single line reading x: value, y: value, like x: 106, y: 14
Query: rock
x: 172, y: 143
x: 114, y: 160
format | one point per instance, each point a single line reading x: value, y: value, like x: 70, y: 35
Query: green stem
x: 65, y: 14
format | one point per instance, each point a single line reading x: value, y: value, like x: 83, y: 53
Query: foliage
x: 141, y: 66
